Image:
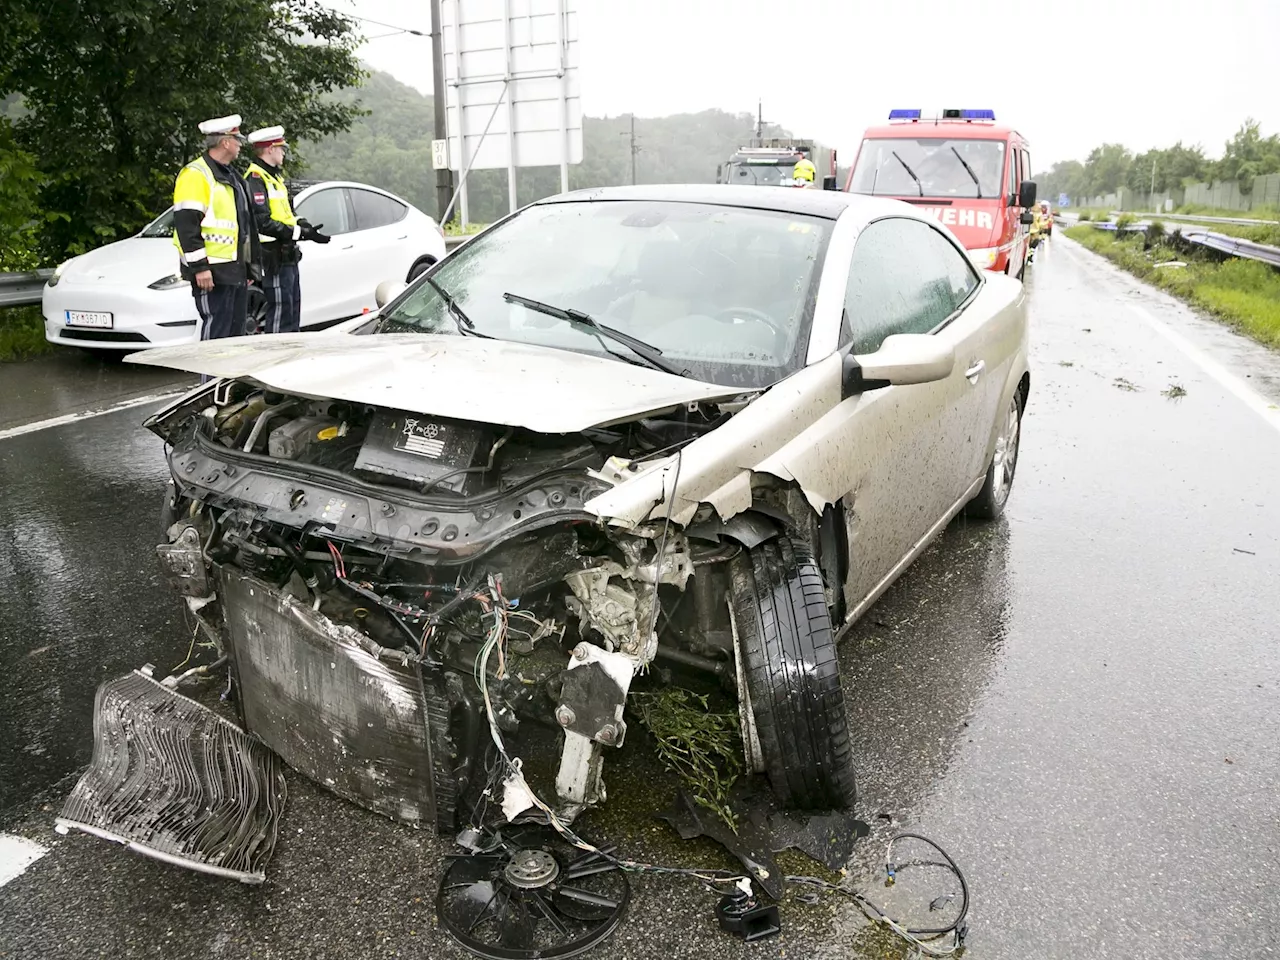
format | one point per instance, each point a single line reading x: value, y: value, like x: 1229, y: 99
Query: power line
x: 376, y: 23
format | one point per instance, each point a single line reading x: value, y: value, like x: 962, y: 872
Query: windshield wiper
x: 466, y: 325
x: 651, y: 354
x: 910, y: 172
x: 969, y: 170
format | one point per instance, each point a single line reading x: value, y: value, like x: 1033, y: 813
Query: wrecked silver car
x: 698, y: 426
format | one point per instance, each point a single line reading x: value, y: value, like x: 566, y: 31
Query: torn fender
x: 716, y: 469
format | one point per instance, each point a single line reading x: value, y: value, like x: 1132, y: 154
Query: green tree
x: 1106, y: 169
x: 1173, y: 166
x: 1066, y: 176
x: 114, y: 89
x: 1248, y: 154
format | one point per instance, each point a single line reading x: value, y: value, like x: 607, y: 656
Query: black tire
x: 991, y: 499
x: 255, y: 319
x: 792, y: 675
x: 419, y: 268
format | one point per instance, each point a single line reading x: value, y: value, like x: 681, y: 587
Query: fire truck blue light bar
x: 904, y: 114
x: 970, y: 114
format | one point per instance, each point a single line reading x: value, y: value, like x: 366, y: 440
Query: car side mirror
x: 387, y: 291
x: 903, y: 358
x: 1027, y: 193
x: 1027, y: 218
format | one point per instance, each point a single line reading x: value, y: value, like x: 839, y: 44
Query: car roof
x: 957, y: 129
x: 829, y: 204
x: 298, y: 187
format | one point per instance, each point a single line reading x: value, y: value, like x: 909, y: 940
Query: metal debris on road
x: 172, y: 780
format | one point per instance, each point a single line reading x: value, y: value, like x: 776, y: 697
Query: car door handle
x: 405, y: 237
x: 975, y: 371
x: 349, y: 246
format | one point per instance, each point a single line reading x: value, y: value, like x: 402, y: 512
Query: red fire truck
x: 967, y: 171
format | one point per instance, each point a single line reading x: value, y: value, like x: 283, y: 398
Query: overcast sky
x: 1069, y: 74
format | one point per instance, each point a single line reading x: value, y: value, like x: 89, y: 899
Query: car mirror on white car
x: 903, y: 358
x: 387, y: 291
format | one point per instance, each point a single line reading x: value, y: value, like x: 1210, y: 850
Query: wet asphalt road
x: 1080, y: 702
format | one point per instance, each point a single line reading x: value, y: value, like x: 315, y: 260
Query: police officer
x: 211, y: 229
x: 279, y: 230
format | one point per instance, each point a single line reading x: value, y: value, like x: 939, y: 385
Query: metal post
x: 511, y: 110
x: 444, y: 178
x: 563, y: 29
x: 464, y: 161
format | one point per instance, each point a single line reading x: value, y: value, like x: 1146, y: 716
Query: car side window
x: 327, y: 207
x: 375, y: 209
x: 1012, y: 188
x: 905, y: 277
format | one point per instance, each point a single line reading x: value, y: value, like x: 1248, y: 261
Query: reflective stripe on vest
x: 219, y: 227
x: 277, y: 199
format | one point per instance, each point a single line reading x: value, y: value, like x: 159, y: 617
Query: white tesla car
x: 128, y: 295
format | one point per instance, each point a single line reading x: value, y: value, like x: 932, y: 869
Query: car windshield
x: 724, y: 292
x: 161, y: 226
x: 927, y: 167
x: 761, y: 174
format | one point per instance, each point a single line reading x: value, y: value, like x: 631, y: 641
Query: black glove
x: 313, y: 233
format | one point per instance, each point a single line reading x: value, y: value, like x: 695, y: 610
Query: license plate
x: 84, y: 318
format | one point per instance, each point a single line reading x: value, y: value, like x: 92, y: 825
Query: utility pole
x: 759, y: 121
x: 1153, y: 183
x: 444, y: 178
x: 635, y: 149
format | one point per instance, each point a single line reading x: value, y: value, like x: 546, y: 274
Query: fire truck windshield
x: 761, y: 174
x: 942, y: 168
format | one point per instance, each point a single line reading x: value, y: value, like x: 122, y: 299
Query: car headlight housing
x: 171, y: 282
x: 984, y: 257
x: 57, y: 273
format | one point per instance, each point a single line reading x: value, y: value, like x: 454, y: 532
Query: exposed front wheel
x: 794, y: 709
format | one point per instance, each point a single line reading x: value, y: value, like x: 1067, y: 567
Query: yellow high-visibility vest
x: 277, y: 199
x: 197, y: 189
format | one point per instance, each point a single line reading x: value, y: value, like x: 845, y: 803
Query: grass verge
x: 1243, y: 293
x: 22, y: 334
x: 455, y: 229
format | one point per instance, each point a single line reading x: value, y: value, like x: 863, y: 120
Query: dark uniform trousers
x: 222, y: 310
x: 283, y: 290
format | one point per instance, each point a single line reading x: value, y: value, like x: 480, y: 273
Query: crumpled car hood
x: 464, y: 378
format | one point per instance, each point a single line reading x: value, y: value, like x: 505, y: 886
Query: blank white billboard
x: 511, y: 68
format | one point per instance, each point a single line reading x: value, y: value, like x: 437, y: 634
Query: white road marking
x: 16, y: 854
x: 87, y: 414
x: 1270, y: 412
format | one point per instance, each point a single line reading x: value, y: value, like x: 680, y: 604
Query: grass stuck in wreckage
x: 701, y: 747
x: 1243, y: 293
x: 22, y: 334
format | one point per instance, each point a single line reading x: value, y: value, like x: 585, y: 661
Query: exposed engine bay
x: 394, y: 590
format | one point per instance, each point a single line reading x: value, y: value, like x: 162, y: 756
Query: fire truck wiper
x: 910, y: 172
x: 969, y: 170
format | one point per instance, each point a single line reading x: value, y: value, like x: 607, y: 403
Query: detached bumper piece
x: 172, y: 780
